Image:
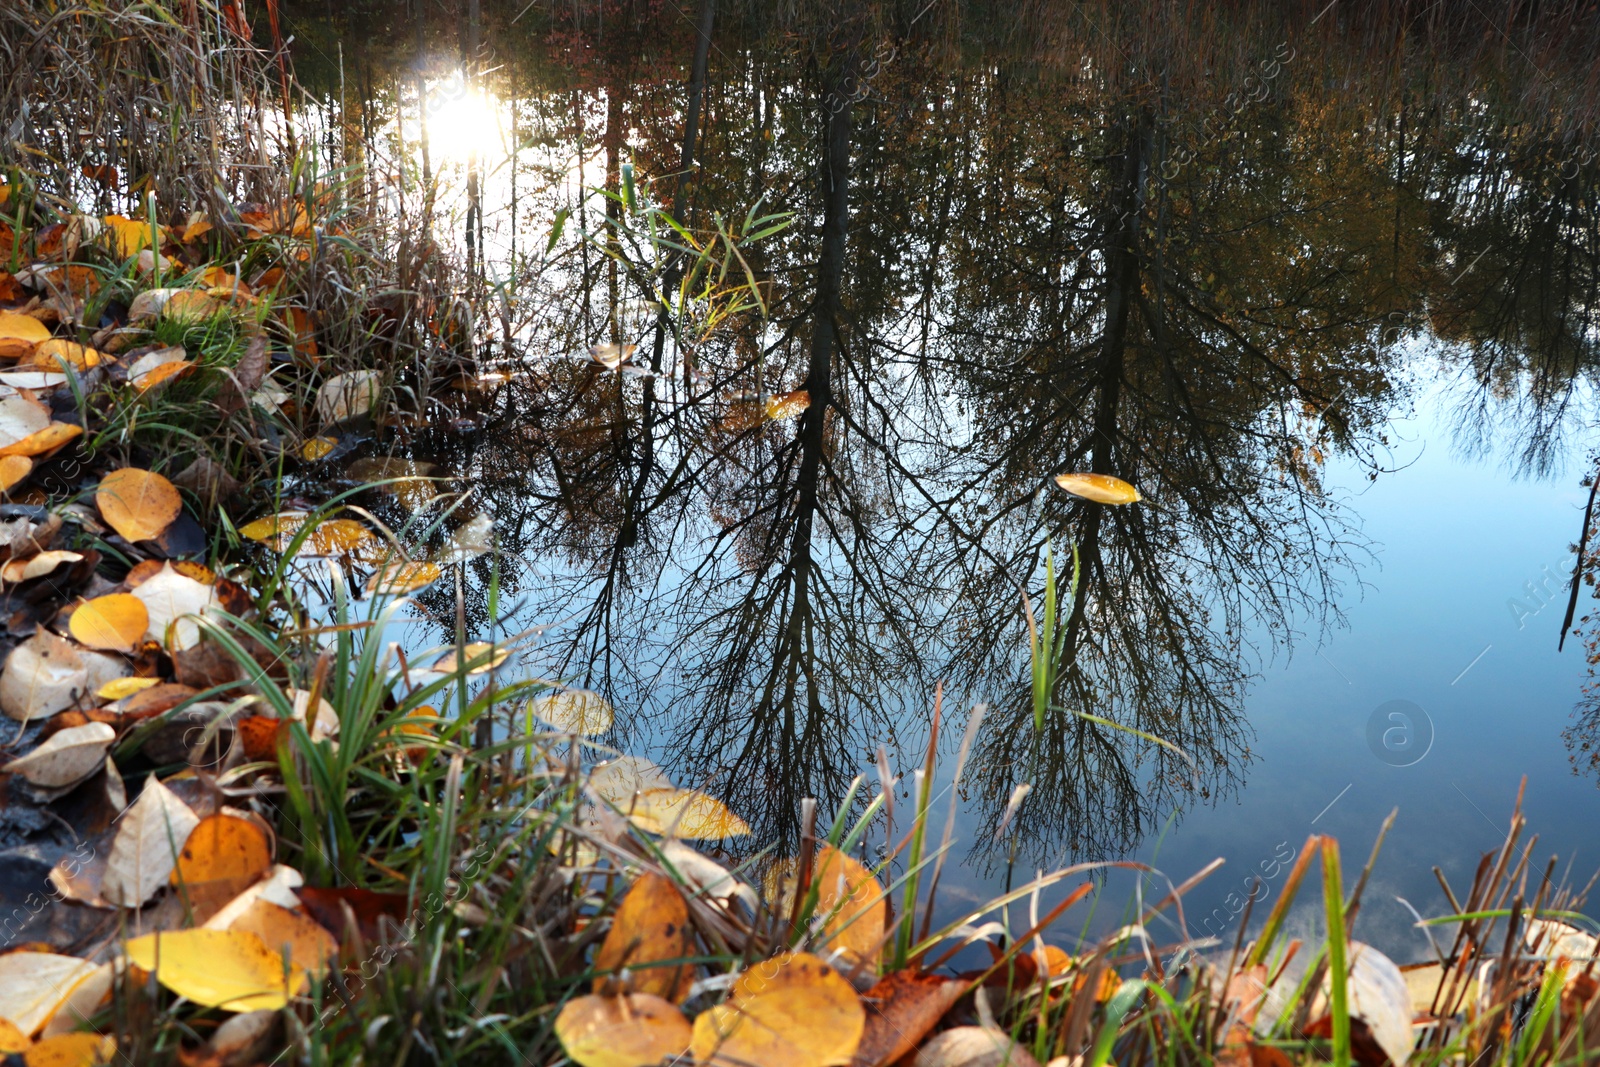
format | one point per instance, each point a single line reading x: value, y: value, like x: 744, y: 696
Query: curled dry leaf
x: 229, y: 969
x: 242, y: 1040
x: 146, y: 847
x: 711, y: 878
x: 48, y: 439
x: 32, y: 984
x: 172, y: 600
x: 115, y: 622
x: 138, y: 504
x: 650, y: 925
x: 1101, y: 488
x: 973, y: 1046
x: 348, y: 396
x: 67, y: 757
x: 326, y: 723
x: 901, y: 1009
x: 46, y: 674
x: 622, y: 1031
x: 574, y: 711
x: 160, y: 375
x: 158, y: 358
x: 21, y: 570
x: 789, y: 1011
x: 122, y: 688
x: 278, y: 887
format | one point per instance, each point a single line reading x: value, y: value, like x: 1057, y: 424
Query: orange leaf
x: 651, y: 924
x: 13, y: 469
x: 51, y: 437
x: 115, y: 622
x: 138, y: 504
x: 901, y: 1009
x: 224, y: 847
x: 1101, y: 488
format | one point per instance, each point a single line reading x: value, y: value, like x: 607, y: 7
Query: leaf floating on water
x: 786, y: 405
x: 1101, y: 488
x: 686, y: 813
x: 477, y: 657
x: 473, y: 539
x: 115, y: 622
x: 410, y: 481
x: 138, y: 504
x: 574, y: 711
x: 618, y: 781
x: 790, y: 1011
x: 68, y: 757
x: 611, y: 357
x: 650, y: 925
x: 32, y: 984
x: 331, y: 537
x: 229, y: 969
x: 145, y: 849
x: 401, y: 577
x: 348, y: 396
x: 317, y: 447
x: 627, y: 1031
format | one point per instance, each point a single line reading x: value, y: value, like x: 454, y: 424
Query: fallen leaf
x: 850, y: 901
x: 243, y: 1040
x: 56, y: 353
x: 302, y: 941
x: 122, y: 688
x: 190, y: 306
x: 475, y: 657
x: 790, y: 1011
x: 72, y: 1050
x: 115, y: 622
x: 12, y: 1039
x: 146, y: 847
x: 620, y: 780
x: 160, y: 375
x: 330, y: 537
x: 650, y: 925
x: 326, y: 723
x: 348, y: 396
x: 1101, y: 488
x: 138, y: 504
x: 402, y: 577
x: 82, y: 1003
x: 1378, y: 995
x: 173, y: 601
x: 129, y: 236
x: 376, y: 914
x: 685, y: 813
x: 224, y: 847
x: 13, y: 470
x: 22, y: 570
x: 628, y: 1031
x: 67, y: 757
x: 259, y: 736
x: 411, y: 482
x: 229, y: 969
x: 19, y: 333
x: 317, y: 447
x: 973, y: 1046
x: 574, y: 711
x: 901, y: 1009
x: 33, y: 983
x: 278, y: 887
x: 43, y: 675
x: 51, y: 437
x: 32, y: 379
x: 21, y: 416
x: 612, y: 357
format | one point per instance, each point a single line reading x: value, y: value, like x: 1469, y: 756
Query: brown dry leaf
x: 850, y: 901
x: 32, y: 984
x: 302, y: 941
x: 901, y: 1009
x: 115, y: 622
x: 138, y: 504
x: 241, y: 1041
x: 224, y: 846
x: 1101, y: 488
x: 651, y: 924
x: 173, y: 600
x: 48, y: 439
x: 21, y: 416
x: 67, y: 757
x: 259, y: 736
x: 790, y: 1011
x: 148, y: 304
x: 146, y: 847
x: 623, y: 1031
x: 13, y: 470
x: 72, y: 1050
x: 973, y: 1046
x: 229, y: 969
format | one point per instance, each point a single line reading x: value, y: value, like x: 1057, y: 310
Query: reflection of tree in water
x: 986, y: 286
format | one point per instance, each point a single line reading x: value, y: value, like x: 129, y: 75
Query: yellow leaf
x: 1101, y: 488
x: 574, y: 711
x: 72, y: 1050
x: 685, y: 813
x: 115, y: 622
x: 129, y: 236
x: 401, y: 577
x: 789, y: 1011
x: 477, y: 657
x: 138, y: 504
x: 12, y: 1039
x: 628, y: 1031
x: 650, y: 925
x: 787, y: 405
x: 850, y: 901
x: 317, y: 447
x: 122, y: 688
x: 331, y: 537
x: 161, y: 372
x: 191, y: 306
x: 229, y: 969
x: 13, y: 469
x: 56, y: 353
x: 51, y: 437
x: 26, y: 328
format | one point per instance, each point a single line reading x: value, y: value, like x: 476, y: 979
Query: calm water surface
x: 1341, y: 332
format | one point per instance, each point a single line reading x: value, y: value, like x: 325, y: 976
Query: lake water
x: 1338, y: 324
